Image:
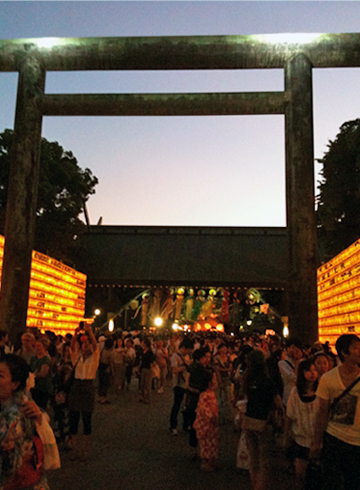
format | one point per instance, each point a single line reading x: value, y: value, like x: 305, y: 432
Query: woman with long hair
x: 118, y: 365
x: 301, y: 411
x: 223, y: 368
x: 262, y: 398
x: 162, y: 360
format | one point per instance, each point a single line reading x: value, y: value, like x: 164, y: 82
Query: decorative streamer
x: 144, y: 309
x: 168, y: 306
x: 178, y: 302
x: 189, y: 303
x: 224, y: 314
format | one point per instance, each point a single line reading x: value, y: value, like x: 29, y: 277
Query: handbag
x: 155, y: 370
x: 336, y: 400
x: 70, y: 381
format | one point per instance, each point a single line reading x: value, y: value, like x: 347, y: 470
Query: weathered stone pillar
x: 301, y: 223
x: 22, y: 199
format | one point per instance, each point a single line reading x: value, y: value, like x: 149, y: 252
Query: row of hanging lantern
x: 56, y: 294
x: 189, y: 305
x: 338, y: 295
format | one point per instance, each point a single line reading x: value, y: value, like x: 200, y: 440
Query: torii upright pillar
x: 301, y: 221
x: 22, y: 199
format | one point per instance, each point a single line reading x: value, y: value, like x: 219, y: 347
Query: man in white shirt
x: 338, y: 421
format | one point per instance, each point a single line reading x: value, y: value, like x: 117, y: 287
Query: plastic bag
x: 51, y: 452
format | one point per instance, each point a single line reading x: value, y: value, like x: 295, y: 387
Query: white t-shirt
x: 178, y: 361
x: 303, y: 416
x: 287, y: 371
x: 345, y: 425
x: 85, y: 369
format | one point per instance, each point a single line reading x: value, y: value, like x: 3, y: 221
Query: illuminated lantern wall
x: 339, y: 295
x: 56, y: 296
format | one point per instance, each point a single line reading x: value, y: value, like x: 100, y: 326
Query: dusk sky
x: 209, y: 171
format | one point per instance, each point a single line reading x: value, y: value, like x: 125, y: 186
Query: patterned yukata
x: 207, y: 425
x: 20, y: 458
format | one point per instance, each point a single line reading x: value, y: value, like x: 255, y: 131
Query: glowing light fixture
x: 174, y: 326
x: 111, y: 325
x: 48, y: 42
x: 289, y: 38
x: 286, y: 331
x: 97, y: 312
x: 158, y: 321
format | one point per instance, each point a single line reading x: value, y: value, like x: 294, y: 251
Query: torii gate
x: 296, y: 54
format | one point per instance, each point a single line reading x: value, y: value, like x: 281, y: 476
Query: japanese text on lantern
x: 338, y: 284
x: 56, y: 294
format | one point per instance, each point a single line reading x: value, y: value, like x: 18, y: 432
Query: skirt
x: 82, y: 396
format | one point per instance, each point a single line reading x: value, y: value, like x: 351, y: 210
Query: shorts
x: 298, y: 452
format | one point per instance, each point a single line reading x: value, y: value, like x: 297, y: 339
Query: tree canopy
x: 338, y: 211
x: 63, y: 190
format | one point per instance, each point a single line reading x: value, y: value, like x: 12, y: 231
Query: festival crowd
x: 279, y: 395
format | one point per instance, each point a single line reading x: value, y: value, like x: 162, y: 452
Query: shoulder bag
x: 340, y: 397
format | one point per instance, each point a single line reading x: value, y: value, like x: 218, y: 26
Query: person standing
x: 85, y: 359
x: 147, y: 359
x: 179, y: 366
x: 27, y: 349
x: 118, y: 364
x: 40, y: 365
x: 288, y: 367
x: 223, y: 368
x: 262, y: 398
x: 207, y: 425
x: 197, y: 381
x: 105, y: 370
x: 300, y: 420
x: 129, y: 359
x: 338, y: 420
x: 161, y: 359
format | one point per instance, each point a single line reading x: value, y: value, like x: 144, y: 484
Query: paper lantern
x: 56, y: 294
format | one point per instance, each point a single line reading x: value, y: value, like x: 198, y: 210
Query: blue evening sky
x: 210, y: 171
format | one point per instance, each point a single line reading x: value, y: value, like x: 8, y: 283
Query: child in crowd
x: 207, y: 427
x: 301, y: 411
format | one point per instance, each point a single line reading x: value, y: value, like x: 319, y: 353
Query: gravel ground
x: 133, y: 450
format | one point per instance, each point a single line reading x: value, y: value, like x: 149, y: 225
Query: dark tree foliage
x: 338, y: 212
x: 63, y: 189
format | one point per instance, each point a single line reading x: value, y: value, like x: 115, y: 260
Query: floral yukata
x: 206, y: 425
x: 21, y: 450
